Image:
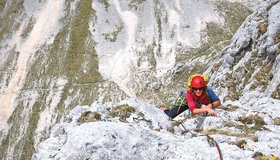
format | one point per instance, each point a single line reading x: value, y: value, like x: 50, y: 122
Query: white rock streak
x: 120, y: 63
x: 46, y: 26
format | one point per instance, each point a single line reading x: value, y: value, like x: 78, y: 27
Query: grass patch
x: 277, y: 121
x: 277, y: 38
x: 78, y: 52
x: 112, y: 37
x: 134, y: 3
x: 236, y: 83
x: 216, y: 66
x: 229, y: 133
x: 261, y: 156
x: 254, y: 120
x: 89, y: 117
x: 262, y: 27
x: 7, y: 20
x: 175, y: 123
x: 24, y: 147
x: 263, y: 77
x: 13, y: 132
x: 105, y: 3
x: 217, y: 33
x: 276, y: 93
x: 199, y: 68
x: 235, y: 14
x: 28, y: 140
x: 229, y: 108
x: 61, y: 105
x: 248, y: 70
x: 2, y: 5
x: 217, y: 36
x: 26, y: 31
x: 241, y: 144
x: 159, y: 20
x: 232, y: 82
x: 121, y: 111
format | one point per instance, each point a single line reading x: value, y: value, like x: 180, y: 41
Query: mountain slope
x: 55, y: 55
x: 246, y: 76
x: 135, y: 130
x: 250, y: 64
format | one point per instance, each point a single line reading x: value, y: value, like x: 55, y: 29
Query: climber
x: 198, y: 95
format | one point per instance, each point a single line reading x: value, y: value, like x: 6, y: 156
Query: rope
x: 210, y: 140
x: 181, y: 99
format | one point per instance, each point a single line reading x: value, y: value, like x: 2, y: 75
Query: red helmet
x: 198, y: 82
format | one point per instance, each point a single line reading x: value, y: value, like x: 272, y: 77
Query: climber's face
x: 198, y: 91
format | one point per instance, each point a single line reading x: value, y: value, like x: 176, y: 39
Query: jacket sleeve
x: 190, y: 101
x: 212, y: 96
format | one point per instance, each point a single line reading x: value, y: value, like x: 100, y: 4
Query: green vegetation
x: 277, y: 38
x: 159, y: 25
x: 216, y: 66
x: 254, y: 120
x: 121, y: 111
x: 13, y: 132
x: 2, y: 5
x: 105, y: 3
x: 247, y: 71
x: 277, y: 121
x: 7, y: 20
x: 217, y: 33
x: 112, y: 37
x: 235, y: 13
x: 199, y: 68
x: 175, y: 123
x: 232, y: 82
x: 134, y: 3
x: 89, y: 117
x: 261, y: 156
x: 263, y: 27
x: 79, y: 50
x: 241, y: 144
x: 61, y: 108
x: 229, y: 108
x: 263, y: 77
x: 24, y: 146
x: 160, y: 19
x: 28, y: 139
x: 217, y: 38
x: 71, y: 57
x: 229, y: 133
x: 28, y: 28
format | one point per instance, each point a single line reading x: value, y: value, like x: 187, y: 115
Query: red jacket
x: 194, y: 101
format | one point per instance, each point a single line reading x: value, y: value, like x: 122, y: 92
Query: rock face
x: 251, y: 62
x: 147, y: 133
x: 55, y: 55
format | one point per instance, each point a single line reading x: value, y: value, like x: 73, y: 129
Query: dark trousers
x: 175, y: 111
